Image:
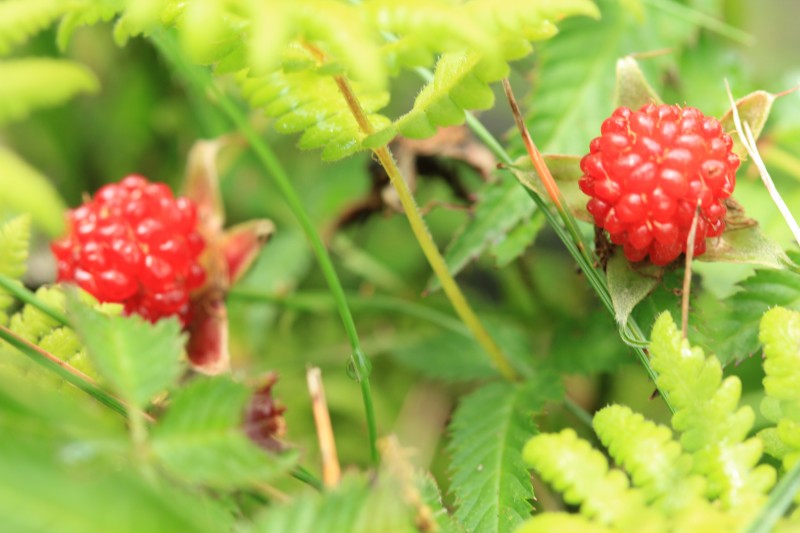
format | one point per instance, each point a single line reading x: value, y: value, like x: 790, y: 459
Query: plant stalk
x: 425, y: 240
x: 202, y: 82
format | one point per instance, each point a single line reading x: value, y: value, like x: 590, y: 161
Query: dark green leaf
x: 355, y: 506
x: 575, y: 90
x: 516, y: 241
x: 566, y: 172
x: 753, y: 109
x: 137, y: 358
x: 632, y: 90
x: 201, y: 438
x: 501, y: 206
x: 489, y: 429
x: 629, y: 284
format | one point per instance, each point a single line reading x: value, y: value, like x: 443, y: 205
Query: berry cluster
x: 646, y: 174
x: 137, y: 245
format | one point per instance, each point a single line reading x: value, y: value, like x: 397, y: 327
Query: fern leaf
x: 652, y: 458
x: 22, y: 19
x: 29, y: 84
x: 24, y: 190
x: 489, y: 428
x: 310, y: 102
x: 582, y: 475
x: 714, y: 430
x: 87, y: 13
x: 203, y: 424
x: 14, y: 238
x: 780, y: 334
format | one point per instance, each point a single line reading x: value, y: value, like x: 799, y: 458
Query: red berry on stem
x: 646, y: 173
x: 134, y: 244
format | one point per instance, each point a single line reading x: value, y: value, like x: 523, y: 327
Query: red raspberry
x: 646, y: 173
x: 137, y: 245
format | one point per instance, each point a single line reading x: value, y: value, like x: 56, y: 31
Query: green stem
x: 423, y: 235
x: 72, y: 377
x: 322, y: 301
x: 439, y: 266
x: 21, y: 293
x: 301, y: 474
x: 779, y: 501
x: 203, y: 82
x: 570, y: 236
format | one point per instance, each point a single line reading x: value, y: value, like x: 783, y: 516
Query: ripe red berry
x: 646, y: 173
x: 137, y: 245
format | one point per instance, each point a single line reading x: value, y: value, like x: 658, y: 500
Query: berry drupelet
x: 646, y: 174
x: 137, y: 245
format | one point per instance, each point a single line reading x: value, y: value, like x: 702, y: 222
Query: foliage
x: 154, y: 447
x: 709, y: 478
x: 489, y: 429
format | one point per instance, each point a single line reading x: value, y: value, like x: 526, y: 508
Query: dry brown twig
x: 331, y: 471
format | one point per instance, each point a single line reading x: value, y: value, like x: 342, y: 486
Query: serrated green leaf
x: 138, y: 359
x: 514, y: 243
x: 575, y: 90
x: 29, y: 84
x: 455, y: 356
x: 501, y: 205
x: 736, y: 334
x: 753, y: 109
x: 201, y: 438
x: 24, y: 190
x: 747, y: 245
x: 21, y: 19
x: 355, y: 506
x: 629, y: 284
x: 632, y: 89
x: 14, y: 238
x: 566, y: 172
x: 489, y: 428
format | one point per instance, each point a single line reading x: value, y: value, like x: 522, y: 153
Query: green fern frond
x: 706, y: 414
x: 22, y: 19
x: 14, y: 238
x: 41, y: 329
x: 780, y: 334
x: 310, y: 102
x: 86, y: 13
x: 648, y: 453
x: 489, y: 428
x: 30, y: 84
x: 582, y: 475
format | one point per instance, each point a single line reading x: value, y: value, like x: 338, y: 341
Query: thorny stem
x: 202, y: 82
x: 423, y: 236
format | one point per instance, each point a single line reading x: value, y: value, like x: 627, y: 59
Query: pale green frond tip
x: 24, y: 190
x: 30, y: 84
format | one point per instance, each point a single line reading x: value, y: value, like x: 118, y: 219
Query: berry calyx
x: 646, y: 174
x: 137, y: 245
